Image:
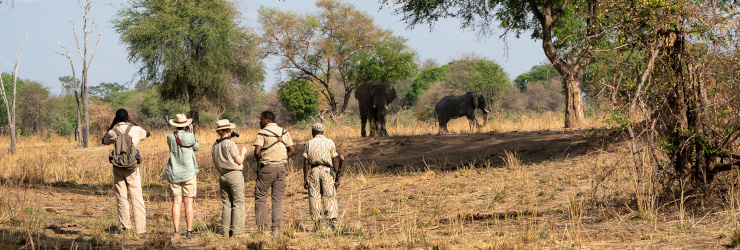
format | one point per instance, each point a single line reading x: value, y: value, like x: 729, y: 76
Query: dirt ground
x: 401, y: 178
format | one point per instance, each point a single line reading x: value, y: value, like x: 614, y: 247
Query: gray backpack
x: 124, y: 154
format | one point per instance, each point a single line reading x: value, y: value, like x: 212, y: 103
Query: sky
x: 48, y: 22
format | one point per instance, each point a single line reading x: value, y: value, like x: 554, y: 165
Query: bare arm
x: 291, y: 151
x: 305, y: 173
x: 131, y: 120
x: 239, y: 159
x: 337, y: 167
x: 257, y: 151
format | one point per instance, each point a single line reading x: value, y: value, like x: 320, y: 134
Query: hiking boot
x: 330, y: 224
x: 189, y: 235
x: 276, y: 231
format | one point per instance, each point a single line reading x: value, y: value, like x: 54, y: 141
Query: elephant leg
x: 373, y: 125
x: 363, y: 120
x: 381, y: 124
x: 443, y: 125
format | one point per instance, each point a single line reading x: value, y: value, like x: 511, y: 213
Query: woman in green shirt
x: 181, y: 170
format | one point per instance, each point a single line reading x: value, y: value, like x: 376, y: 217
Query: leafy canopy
x: 542, y: 72
x: 107, y: 91
x: 192, y: 49
x: 390, y: 61
x: 422, y: 81
x: 300, y: 96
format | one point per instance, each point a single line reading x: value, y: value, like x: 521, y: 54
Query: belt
x: 231, y: 170
x: 273, y: 165
x: 320, y: 165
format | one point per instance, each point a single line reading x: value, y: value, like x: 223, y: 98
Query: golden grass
x: 582, y: 202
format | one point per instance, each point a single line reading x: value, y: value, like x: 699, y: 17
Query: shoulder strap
x: 280, y: 138
x: 177, y: 139
x: 128, y: 129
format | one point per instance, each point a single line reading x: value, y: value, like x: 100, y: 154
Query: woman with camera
x: 181, y: 170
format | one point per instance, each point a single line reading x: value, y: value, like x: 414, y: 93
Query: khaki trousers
x: 233, y: 216
x: 270, y: 176
x: 127, y: 184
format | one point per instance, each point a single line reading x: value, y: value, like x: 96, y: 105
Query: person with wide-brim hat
x: 228, y: 161
x: 181, y: 170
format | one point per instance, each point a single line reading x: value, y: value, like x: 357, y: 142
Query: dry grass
x: 61, y: 197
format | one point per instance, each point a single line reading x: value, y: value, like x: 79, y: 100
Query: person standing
x: 272, y: 148
x: 228, y: 162
x: 322, y: 179
x: 181, y: 170
x: 126, y: 134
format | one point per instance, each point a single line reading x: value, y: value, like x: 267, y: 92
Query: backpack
x: 279, y: 137
x: 124, y: 154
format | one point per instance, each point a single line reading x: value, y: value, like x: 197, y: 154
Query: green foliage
x: 8, y: 85
x: 299, y: 96
x: 543, y: 72
x: 107, y: 91
x: 34, y: 107
x: 389, y: 61
x: 422, y: 81
x: 68, y: 84
x: 193, y: 49
x: 487, y: 78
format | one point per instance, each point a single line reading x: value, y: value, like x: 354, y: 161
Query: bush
x: 300, y: 97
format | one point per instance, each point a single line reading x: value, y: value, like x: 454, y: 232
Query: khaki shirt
x: 278, y: 153
x: 223, y: 154
x: 320, y: 151
x: 137, y: 133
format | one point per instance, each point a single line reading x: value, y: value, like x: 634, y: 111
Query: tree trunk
x: 85, y: 116
x: 12, y: 136
x: 347, y: 95
x: 573, y: 103
x: 78, y: 127
x: 195, y: 115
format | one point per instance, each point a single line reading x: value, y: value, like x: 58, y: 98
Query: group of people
x: 272, y: 148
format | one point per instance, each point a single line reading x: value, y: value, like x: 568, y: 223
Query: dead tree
x: 10, y: 106
x: 83, y: 51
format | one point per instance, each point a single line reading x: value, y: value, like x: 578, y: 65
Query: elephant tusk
x: 485, y: 110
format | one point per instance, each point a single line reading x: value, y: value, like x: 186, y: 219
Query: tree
x: 34, y: 107
x: 193, y: 50
x: 299, y: 96
x: 568, y: 29
x: 69, y: 85
x: 543, y: 72
x: 472, y: 73
x: 10, y: 106
x: 321, y: 44
x: 8, y: 80
x: 423, y: 81
x: 107, y: 91
x: 82, y: 49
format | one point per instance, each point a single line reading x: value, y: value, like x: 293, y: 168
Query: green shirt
x: 182, y: 166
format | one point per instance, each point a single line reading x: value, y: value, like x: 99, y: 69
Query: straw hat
x: 224, y: 124
x: 180, y: 121
x: 318, y: 127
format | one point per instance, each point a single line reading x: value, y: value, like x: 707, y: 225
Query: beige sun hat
x: 223, y: 124
x: 180, y: 121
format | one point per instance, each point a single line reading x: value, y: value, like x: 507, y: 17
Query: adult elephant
x: 451, y: 107
x: 373, y: 98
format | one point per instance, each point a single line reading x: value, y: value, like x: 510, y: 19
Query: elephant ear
x: 475, y: 99
x: 362, y: 93
x: 390, y: 93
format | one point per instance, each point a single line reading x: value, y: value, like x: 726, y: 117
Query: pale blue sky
x: 46, y: 21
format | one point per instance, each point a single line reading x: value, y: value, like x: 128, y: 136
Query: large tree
x: 321, y: 44
x: 193, y: 50
x: 86, y: 54
x: 568, y: 31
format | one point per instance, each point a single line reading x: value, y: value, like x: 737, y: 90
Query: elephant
x: 451, y: 107
x: 373, y: 98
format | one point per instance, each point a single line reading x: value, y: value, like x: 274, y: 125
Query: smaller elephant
x: 451, y: 107
x: 373, y: 98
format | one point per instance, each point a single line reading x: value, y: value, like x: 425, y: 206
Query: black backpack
x: 124, y: 154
